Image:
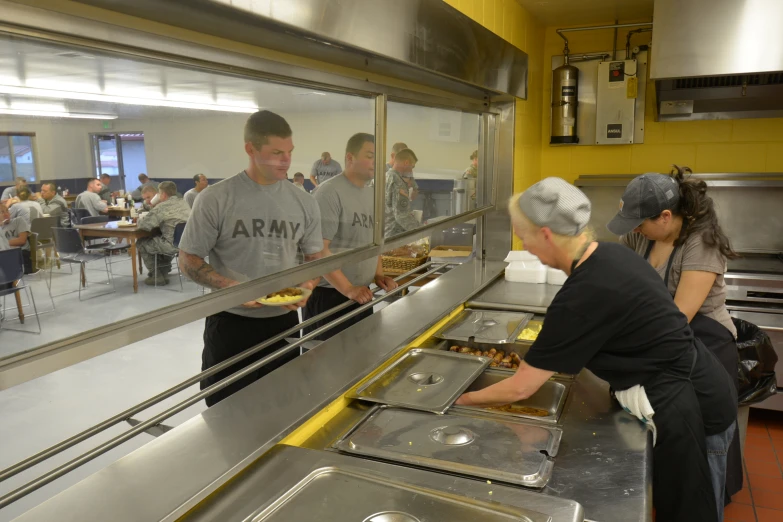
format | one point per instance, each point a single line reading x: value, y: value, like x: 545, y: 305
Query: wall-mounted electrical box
x: 616, y: 94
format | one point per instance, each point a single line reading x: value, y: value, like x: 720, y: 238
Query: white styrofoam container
x: 526, y: 272
x: 555, y: 276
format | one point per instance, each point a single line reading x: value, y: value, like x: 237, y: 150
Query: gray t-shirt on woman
x: 694, y: 255
x: 250, y: 230
x: 347, y: 221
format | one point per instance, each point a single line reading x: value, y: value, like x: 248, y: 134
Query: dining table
x: 114, y: 229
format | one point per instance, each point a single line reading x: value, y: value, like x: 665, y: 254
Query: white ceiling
x: 564, y: 13
x: 27, y: 63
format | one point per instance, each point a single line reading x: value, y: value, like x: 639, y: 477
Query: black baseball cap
x: 645, y: 197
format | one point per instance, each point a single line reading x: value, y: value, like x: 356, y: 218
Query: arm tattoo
x: 202, y: 272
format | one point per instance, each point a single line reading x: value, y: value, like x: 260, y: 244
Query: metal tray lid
x: 506, y: 450
x: 347, y: 494
x: 485, y: 326
x: 428, y: 380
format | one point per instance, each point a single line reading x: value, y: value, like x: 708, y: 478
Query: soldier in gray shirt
x: 165, y: 216
x: 15, y: 232
x: 90, y: 200
x: 347, y: 208
x: 324, y: 169
x: 201, y: 182
x: 250, y: 225
x: 53, y: 204
x: 10, y: 192
x: 398, y: 217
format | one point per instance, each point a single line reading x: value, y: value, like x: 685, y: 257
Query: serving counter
x: 268, y: 450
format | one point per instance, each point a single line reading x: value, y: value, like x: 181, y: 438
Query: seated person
x: 105, y: 194
x: 299, y: 181
x: 23, y: 200
x: 15, y: 232
x: 53, y: 204
x: 10, y: 192
x: 201, y: 182
x: 165, y: 216
x: 91, y: 201
x: 149, y: 198
x: 145, y: 182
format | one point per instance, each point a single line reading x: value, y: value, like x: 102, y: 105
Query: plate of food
x: 286, y: 296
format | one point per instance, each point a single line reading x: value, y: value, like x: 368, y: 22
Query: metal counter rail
x: 119, y: 439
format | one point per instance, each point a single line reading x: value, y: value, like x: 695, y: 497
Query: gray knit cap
x: 556, y: 204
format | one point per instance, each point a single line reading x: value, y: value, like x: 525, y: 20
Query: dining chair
x: 12, y: 283
x: 42, y: 227
x: 179, y: 229
x: 71, y: 249
x: 77, y: 214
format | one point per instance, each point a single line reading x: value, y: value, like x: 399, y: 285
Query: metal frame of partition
x: 30, y: 22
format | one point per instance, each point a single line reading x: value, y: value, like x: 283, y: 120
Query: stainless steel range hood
x: 717, y: 59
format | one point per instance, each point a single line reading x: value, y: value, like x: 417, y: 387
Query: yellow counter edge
x: 320, y: 419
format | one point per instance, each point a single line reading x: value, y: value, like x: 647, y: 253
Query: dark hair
x: 104, y: 175
x: 197, y: 178
x: 23, y: 193
x: 298, y: 174
x: 262, y: 124
x: 698, y: 213
x: 89, y: 181
x: 406, y: 155
x: 357, y: 141
x: 51, y: 184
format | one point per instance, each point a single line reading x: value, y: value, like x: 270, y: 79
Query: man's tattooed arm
x: 202, y: 272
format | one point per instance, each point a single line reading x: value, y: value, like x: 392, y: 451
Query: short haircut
x: 357, y: 141
x: 168, y: 188
x: 324, y: 154
x: 263, y: 124
x: 89, y: 181
x: 406, y: 155
x: 397, y: 147
x: 197, y: 178
x: 23, y: 193
x: 150, y: 188
x: 104, y: 175
x: 51, y: 184
x: 474, y: 155
x: 298, y: 175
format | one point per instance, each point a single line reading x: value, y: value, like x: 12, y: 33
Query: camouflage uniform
x: 164, y: 216
x: 398, y: 209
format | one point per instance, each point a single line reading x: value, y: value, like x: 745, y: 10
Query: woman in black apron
x: 659, y: 213
x: 613, y: 317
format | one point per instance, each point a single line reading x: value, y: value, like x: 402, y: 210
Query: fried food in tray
x: 500, y: 359
x: 284, y: 297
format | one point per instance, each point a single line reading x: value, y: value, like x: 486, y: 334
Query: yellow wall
x: 513, y: 23
x: 754, y: 145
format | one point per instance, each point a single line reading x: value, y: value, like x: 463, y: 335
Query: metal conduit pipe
x: 127, y: 414
x: 628, y: 40
x: 594, y: 28
x: 69, y: 466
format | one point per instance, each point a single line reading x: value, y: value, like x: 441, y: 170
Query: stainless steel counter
x: 524, y: 297
x: 603, y: 462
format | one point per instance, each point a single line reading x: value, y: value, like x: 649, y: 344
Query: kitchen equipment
x: 549, y: 398
x: 484, y: 326
x: 565, y: 96
x: 506, y: 450
x: 615, y: 109
x: 451, y: 254
x: 428, y: 380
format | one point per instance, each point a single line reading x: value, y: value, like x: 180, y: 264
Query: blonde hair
x: 574, y: 245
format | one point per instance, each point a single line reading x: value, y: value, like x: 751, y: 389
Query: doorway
x: 120, y: 155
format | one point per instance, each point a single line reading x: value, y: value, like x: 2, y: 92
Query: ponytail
x: 698, y: 213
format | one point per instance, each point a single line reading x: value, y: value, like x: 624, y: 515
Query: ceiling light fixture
x: 58, y: 114
x: 129, y: 100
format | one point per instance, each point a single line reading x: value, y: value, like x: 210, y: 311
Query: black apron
x: 718, y: 340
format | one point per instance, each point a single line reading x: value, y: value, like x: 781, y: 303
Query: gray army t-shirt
x: 694, y: 255
x: 14, y: 228
x: 190, y: 197
x: 250, y: 230
x: 92, y: 202
x: 323, y: 172
x: 347, y: 221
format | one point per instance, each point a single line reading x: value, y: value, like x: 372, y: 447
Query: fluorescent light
x: 58, y: 114
x: 130, y: 100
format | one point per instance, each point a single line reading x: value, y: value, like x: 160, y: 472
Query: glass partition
x: 263, y: 175
x: 432, y: 168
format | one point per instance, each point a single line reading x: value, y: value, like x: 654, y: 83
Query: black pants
x: 227, y: 334
x: 322, y: 300
x: 27, y: 262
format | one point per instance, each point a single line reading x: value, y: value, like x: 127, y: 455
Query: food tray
x: 485, y: 326
x: 497, y: 449
x: 427, y: 380
x: 549, y: 400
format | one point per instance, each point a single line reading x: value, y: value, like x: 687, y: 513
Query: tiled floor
x: 762, y: 498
